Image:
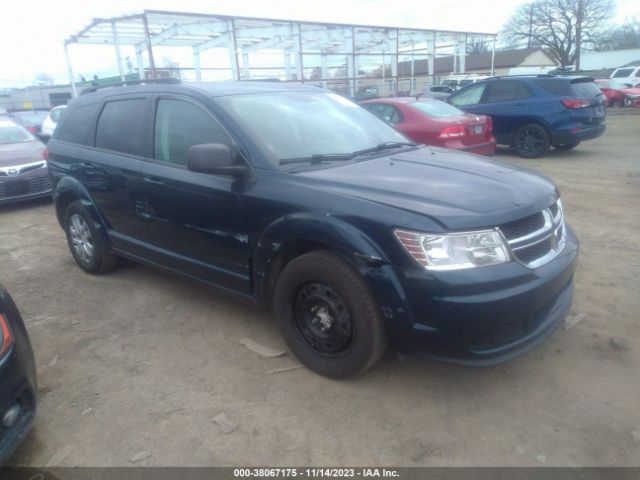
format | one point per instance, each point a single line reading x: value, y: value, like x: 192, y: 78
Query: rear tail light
x: 32, y: 129
x: 489, y: 125
x: 6, y: 338
x: 573, y: 103
x: 45, y: 154
x: 454, y: 131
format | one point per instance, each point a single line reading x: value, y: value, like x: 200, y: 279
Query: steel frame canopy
x: 336, y: 56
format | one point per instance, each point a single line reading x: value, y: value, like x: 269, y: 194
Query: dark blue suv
x: 294, y: 197
x: 531, y: 113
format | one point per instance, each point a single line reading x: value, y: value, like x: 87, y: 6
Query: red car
x: 433, y: 122
x: 619, y: 94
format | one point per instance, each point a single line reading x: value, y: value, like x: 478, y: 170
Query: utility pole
x: 579, y: 16
x: 530, y: 25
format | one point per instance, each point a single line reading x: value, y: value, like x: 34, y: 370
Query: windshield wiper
x: 318, y: 158
x: 384, y: 146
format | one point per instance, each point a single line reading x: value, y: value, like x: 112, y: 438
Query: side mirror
x: 214, y: 158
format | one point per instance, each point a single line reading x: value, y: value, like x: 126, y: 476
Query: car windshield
x: 56, y: 113
x: 293, y: 125
x: 437, y: 109
x: 14, y: 134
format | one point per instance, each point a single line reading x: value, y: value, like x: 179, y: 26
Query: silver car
x: 23, y: 166
x: 439, y: 92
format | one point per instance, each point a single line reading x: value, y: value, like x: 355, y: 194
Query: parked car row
x: 619, y: 94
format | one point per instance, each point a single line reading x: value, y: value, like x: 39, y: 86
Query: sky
x: 32, y: 32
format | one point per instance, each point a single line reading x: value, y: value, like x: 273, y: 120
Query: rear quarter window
x: 585, y: 89
x: 623, y: 72
x: 554, y: 86
x: 77, y: 124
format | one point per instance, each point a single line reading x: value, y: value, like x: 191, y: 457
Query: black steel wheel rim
x: 530, y: 140
x: 322, y: 319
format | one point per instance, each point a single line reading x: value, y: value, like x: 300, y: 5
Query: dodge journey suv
x: 293, y: 197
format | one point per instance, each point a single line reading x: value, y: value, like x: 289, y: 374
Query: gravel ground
x: 135, y: 365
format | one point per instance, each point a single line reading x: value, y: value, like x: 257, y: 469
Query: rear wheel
x: 566, y: 146
x: 86, y: 243
x: 328, y: 317
x: 531, y: 141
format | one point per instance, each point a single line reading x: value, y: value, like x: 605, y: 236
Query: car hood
x: 456, y: 189
x: 630, y: 91
x: 14, y: 154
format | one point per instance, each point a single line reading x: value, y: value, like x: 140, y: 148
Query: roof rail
x: 542, y: 75
x: 145, y: 81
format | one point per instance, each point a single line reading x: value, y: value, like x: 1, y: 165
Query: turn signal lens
x: 6, y: 338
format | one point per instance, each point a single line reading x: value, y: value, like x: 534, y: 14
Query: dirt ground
x: 136, y: 363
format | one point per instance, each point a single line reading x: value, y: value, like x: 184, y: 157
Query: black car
x: 534, y: 112
x: 18, y: 387
x: 292, y: 196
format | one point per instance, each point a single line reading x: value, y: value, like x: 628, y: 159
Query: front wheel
x: 328, y: 317
x: 566, y: 146
x: 531, y: 141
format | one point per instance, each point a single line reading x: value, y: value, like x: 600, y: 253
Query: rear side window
x: 506, y: 92
x: 77, y: 124
x: 623, y: 72
x: 554, y: 86
x: 469, y: 96
x: 585, y: 89
x: 181, y: 125
x: 121, y: 126
x: 387, y: 113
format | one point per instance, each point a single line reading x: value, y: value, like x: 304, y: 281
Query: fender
x: 293, y: 235
x: 69, y: 189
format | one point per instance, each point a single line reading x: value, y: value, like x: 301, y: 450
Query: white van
x: 630, y: 75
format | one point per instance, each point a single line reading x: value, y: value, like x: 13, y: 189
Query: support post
x: 139, y: 62
x: 493, y: 57
x: 287, y: 66
x: 196, y: 64
x: 116, y: 44
x: 324, y: 69
x: 233, y: 50
x: 70, y: 70
x: 463, y: 55
x: 147, y: 38
x: 245, y: 65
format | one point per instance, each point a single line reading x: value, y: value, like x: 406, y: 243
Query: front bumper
x: 480, y: 316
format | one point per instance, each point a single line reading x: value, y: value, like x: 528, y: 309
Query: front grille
x: 522, y: 227
x: 19, y: 188
x: 536, y: 239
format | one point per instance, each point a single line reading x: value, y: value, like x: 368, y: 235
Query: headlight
x: 455, y: 251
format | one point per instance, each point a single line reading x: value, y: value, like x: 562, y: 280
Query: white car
x: 49, y: 124
x: 630, y: 75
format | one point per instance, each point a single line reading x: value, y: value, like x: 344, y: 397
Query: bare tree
x: 620, y: 37
x: 43, y: 78
x: 559, y: 26
x: 477, y: 46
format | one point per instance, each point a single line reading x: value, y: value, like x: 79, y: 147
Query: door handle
x: 153, y: 181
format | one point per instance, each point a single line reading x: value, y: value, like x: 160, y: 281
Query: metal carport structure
x: 350, y: 59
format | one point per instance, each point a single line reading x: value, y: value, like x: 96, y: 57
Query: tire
x: 616, y: 104
x: 531, y: 141
x: 86, y: 243
x: 566, y: 146
x: 328, y: 317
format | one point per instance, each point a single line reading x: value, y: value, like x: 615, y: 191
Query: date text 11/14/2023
x: 315, y: 473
